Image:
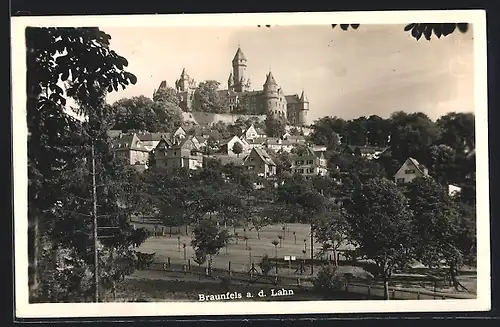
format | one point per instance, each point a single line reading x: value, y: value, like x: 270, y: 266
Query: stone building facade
x: 271, y: 100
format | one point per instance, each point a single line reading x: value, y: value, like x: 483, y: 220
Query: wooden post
x: 168, y: 262
x: 393, y: 294
x: 189, y: 264
x: 418, y: 295
x: 94, y: 216
x: 369, y: 290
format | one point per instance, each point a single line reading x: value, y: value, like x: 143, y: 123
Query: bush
x: 329, y: 280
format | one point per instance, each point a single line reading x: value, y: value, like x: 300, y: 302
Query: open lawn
x: 237, y: 253
x: 167, y: 247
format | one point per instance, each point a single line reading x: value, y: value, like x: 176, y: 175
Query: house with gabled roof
x: 114, y: 133
x: 252, y: 133
x: 160, y: 152
x: 151, y: 140
x: 307, y: 162
x: 184, y: 154
x: 260, y: 162
x: 130, y: 147
x: 180, y: 133
x: 410, y: 170
x: 227, y: 146
x: 365, y: 151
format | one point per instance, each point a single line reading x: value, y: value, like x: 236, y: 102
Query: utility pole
x: 94, y: 215
x: 312, y: 250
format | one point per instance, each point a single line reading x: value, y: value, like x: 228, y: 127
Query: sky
x: 376, y: 69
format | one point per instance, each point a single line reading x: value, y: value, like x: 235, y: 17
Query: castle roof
x: 239, y: 55
x: 303, y: 97
x: 292, y: 99
x: 270, y: 79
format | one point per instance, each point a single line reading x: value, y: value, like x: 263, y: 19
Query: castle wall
x: 207, y: 118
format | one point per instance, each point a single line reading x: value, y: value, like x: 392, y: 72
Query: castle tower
x: 183, y: 82
x: 185, y: 86
x: 304, y: 108
x: 272, y: 97
x: 230, y: 82
x: 240, y: 83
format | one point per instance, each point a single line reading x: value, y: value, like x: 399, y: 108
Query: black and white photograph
x: 210, y: 164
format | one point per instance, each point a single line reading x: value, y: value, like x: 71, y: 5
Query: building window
x: 300, y: 171
x: 400, y: 181
x: 310, y: 170
x: 410, y: 171
x: 309, y: 162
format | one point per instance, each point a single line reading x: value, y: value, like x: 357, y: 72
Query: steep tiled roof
x: 249, y: 93
x: 292, y: 99
x: 303, y: 97
x: 419, y: 166
x: 113, y: 133
x: 270, y: 79
x: 264, y: 156
x: 153, y: 136
x: 239, y: 55
x: 129, y: 142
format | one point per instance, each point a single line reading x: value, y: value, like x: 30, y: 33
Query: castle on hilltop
x: 270, y: 100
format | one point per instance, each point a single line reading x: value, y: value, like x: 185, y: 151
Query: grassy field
x: 241, y: 257
x: 237, y: 253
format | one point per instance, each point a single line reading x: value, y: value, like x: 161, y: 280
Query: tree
x: 237, y: 148
x: 329, y: 131
x: 411, y: 136
x: 207, y: 99
x: 167, y: 95
x: 208, y: 240
x: 283, y: 164
x: 436, y: 225
x: 457, y: 131
x: 143, y: 114
x: 82, y: 60
x: 357, y: 132
x: 331, y: 229
x: 377, y: 131
x: 274, y: 127
x: 442, y: 165
x: 381, y: 225
x: 419, y: 29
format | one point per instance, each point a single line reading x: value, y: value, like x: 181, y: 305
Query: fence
x: 360, y: 287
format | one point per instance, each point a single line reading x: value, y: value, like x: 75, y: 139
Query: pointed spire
x: 303, y: 97
x: 239, y: 55
x: 270, y: 79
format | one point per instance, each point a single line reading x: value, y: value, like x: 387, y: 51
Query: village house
x: 309, y: 163
x: 183, y: 155
x: 160, y: 153
x: 410, y: 170
x: 179, y: 133
x: 259, y: 161
x: 227, y: 146
x: 151, y: 140
x: 277, y: 144
x: 253, y: 133
x: 131, y: 148
x: 365, y: 151
x: 114, y: 133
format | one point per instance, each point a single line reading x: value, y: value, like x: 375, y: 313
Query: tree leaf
x: 355, y: 26
x: 409, y: 27
x: 344, y: 26
x: 463, y: 27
